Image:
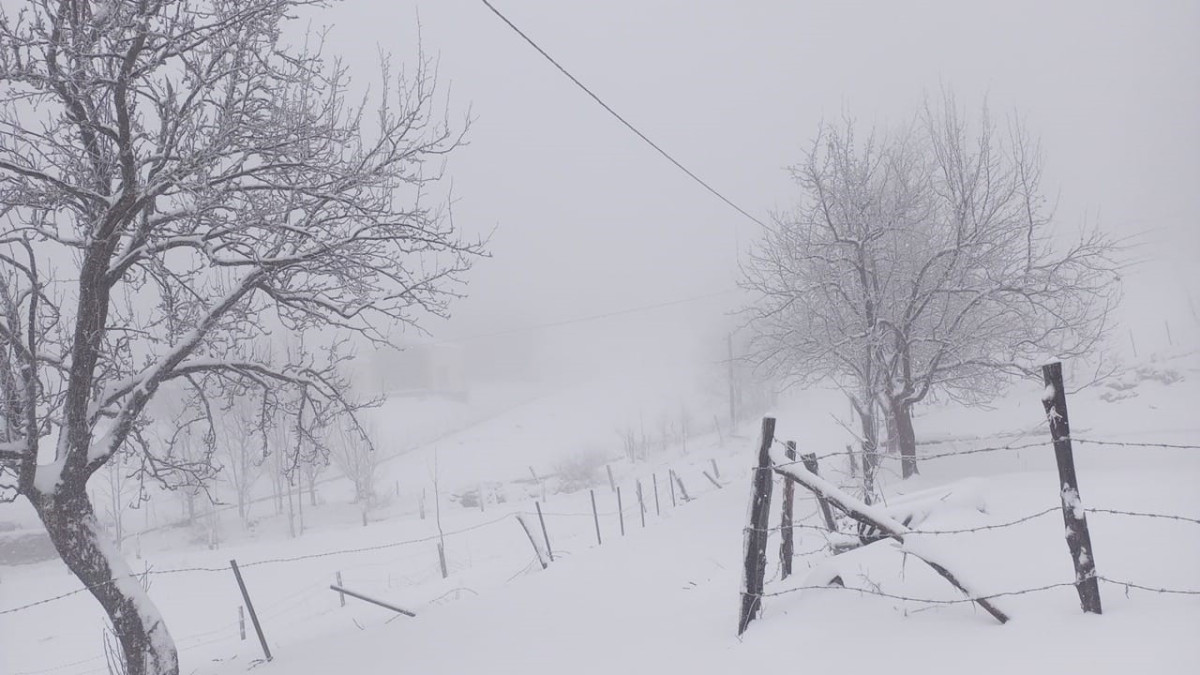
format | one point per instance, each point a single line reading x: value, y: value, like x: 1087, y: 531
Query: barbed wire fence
x: 870, y: 523
x: 314, y: 600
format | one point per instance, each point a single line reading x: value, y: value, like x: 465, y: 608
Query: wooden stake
x: 641, y: 504
x: 712, y: 480
x: 657, y: 508
x: 671, y: 483
x: 596, y: 517
x: 545, y: 535
x: 1079, y: 540
x: 683, y: 493
x: 442, y: 560
x: 810, y: 463
x: 611, y: 483
x: 532, y: 542
x: 620, y: 511
x: 787, y: 544
x: 341, y: 598
x: 716, y: 469
x: 250, y: 607
x: 755, y: 539
x: 242, y: 622
x: 373, y: 601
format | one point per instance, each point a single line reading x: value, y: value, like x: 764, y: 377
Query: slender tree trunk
x: 906, y: 438
x: 71, y: 523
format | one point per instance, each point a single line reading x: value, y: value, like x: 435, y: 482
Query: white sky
x: 589, y: 219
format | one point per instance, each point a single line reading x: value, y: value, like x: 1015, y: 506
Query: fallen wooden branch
x: 373, y: 601
x: 874, y: 517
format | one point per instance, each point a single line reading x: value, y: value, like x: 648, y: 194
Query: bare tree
x: 355, y: 456
x: 178, y: 185
x: 924, y: 261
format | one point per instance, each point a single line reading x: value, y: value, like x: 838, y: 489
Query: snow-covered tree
x: 178, y: 185
x: 920, y: 261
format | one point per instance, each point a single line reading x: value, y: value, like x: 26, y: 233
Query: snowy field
x: 663, y: 598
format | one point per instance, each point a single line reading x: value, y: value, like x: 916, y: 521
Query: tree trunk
x: 71, y: 523
x: 906, y: 438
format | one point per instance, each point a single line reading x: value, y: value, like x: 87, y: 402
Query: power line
x: 617, y: 115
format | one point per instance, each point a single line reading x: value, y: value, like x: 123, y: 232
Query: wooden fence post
x: 612, y: 483
x: 250, y: 608
x: 671, y: 483
x: 641, y: 503
x: 682, y: 490
x: 716, y: 470
x: 442, y: 560
x: 596, y: 517
x: 657, y: 508
x: 242, y: 622
x: 545, y: 535
x: 787, y: 544
x: 712, y: 480
x: 620, y: 511
x: 810, y: 463
x: 532, y: 541
x: 755, y: 538
x: 341, y: 596
x: 1079, y: 540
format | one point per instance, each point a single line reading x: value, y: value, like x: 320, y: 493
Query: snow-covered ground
x: 664, y: 598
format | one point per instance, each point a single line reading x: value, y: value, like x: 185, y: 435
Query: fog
x: 585, y: 219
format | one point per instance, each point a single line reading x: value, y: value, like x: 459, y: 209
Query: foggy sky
x: 589, y: 220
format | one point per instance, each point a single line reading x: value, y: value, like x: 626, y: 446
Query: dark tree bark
x: 905, y: 438
x: 85, y: 548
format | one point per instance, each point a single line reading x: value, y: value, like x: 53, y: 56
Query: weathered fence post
x: 712, y: 480
x: 242, y: 622
x: 442, y: 560
x: 756, y: 531
x: 532, y: 541
x: 545, y: 534
x: 596, y: 517
x: 787, y: 544
x: 262, y: 640
x: 716, y: 469
x: 620, y: 511
x: 671, y: 483
x: 682, y: 489
x: 810, y: 463
x: 1079, y: 540
x: 341, y: 596
x: 641, y: 503
x: 657, y: 508
x: 612, y: 483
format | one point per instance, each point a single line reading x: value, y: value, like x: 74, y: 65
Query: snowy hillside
x: 663, y: 597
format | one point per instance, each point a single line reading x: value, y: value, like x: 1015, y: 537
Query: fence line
x: 976, y: 598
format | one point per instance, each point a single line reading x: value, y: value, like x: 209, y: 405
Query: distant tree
x: 924, y: 261
x: 177, y: 184
x: 353, y: 453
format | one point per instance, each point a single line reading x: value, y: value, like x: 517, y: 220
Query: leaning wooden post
x: 671, y: 482
x: 641, y: 503
x: 810, y: 463
x: 341, y: 596
x: 657, y: 508
x: 1079, y: 540
x: 596, y: 517
x: 716, y: 470
x: 442, y: 560
x: 242, y: 622
x: 620, y: 511
x: 250, y: 608
x: 545, y: 534
x: 682, y: 490
x: 612, y: 483
x: 787, y: 544
x: 532, y: 540
x: 755, y: 539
